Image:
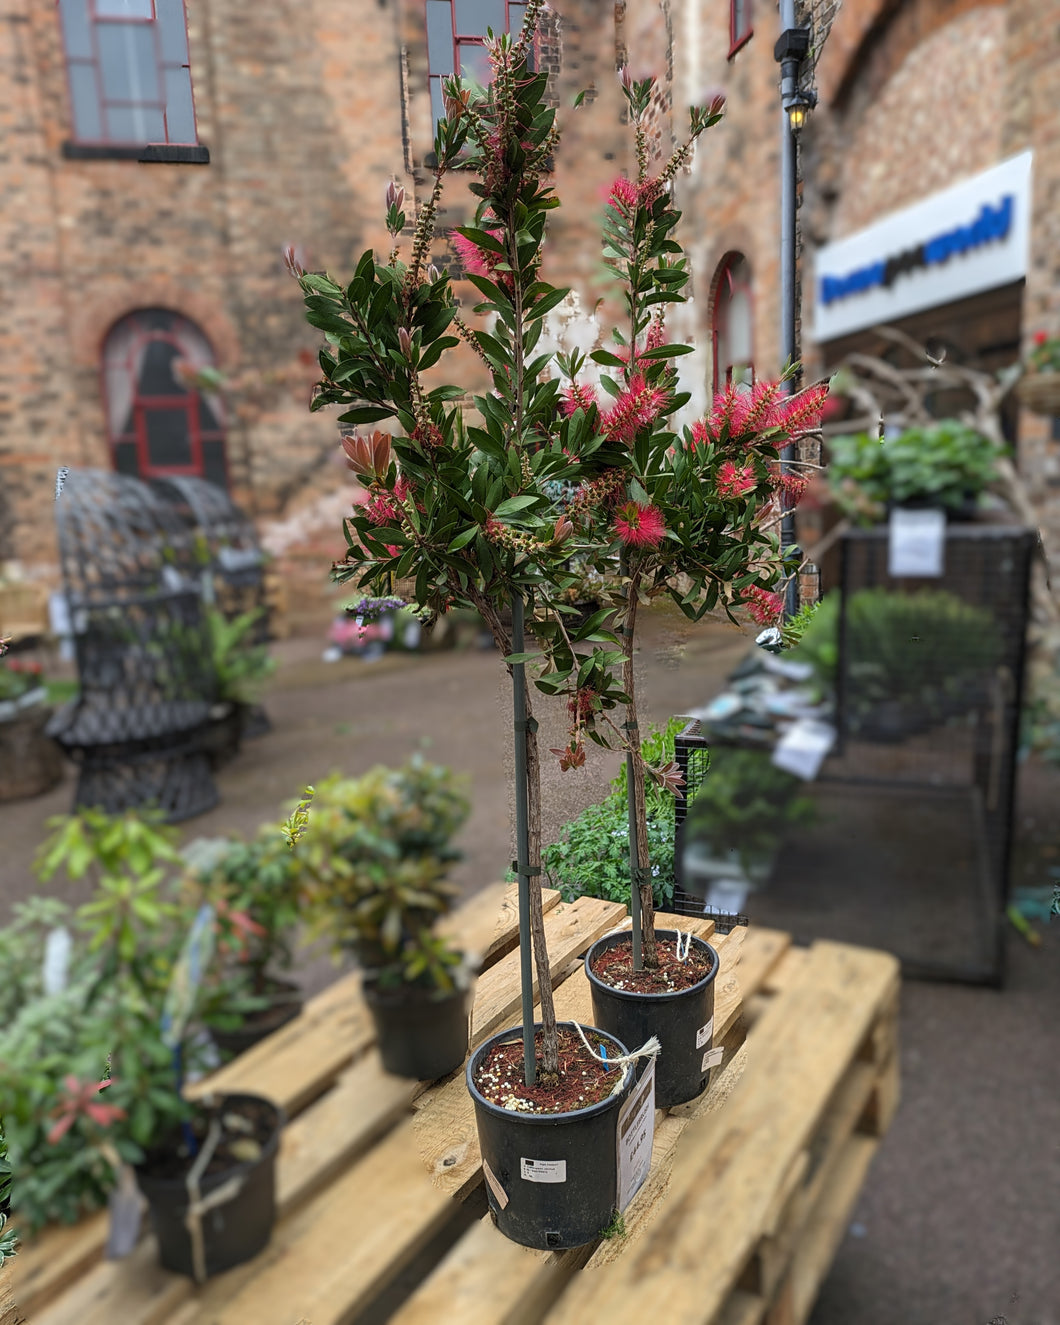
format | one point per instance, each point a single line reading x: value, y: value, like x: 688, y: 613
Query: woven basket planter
x: 1040, y: 392
x: 30, y: 762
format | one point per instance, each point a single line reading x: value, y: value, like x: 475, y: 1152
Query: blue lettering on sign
x: 991, y: 224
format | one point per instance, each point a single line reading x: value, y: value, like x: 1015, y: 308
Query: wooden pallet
x: 379, y: 1180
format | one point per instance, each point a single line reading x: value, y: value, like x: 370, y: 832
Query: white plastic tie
x: 685, y: 947
x: 649, y: 1049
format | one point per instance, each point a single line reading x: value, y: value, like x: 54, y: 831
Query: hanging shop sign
x: 966, y: 239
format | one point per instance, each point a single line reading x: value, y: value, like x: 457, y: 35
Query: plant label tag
x: 916, y: 543
x: 543, y: 1170
x: 712, y: 1058
x: 125, y: 1206
x: 636, y: 1132
x: 57, y: 947
x: 803, y: 747
x: 499, y: 1194
x: 704, y: 1033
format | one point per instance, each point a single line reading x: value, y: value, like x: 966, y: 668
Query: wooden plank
x: 504, y: 935
x: 53, y: 1259
x: 695, y: 1249
x: 9, y: 1312
x: 569, y: 931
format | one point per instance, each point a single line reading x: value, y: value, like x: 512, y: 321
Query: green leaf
x: 666, y: 352
x: 462, y: 539
x: 366, y: 414
x: 606, y: 358
x: 512, y: 505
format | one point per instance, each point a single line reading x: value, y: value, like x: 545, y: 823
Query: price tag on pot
x: 704, y: 1033
x: 499, y: 1194
x: 917, y: 542
x: 712, y: 1058
x: 543, y: 1170
x: 125, y: 1206
x: 636, y: 1132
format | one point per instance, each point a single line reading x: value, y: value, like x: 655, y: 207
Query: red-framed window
x: 740, y: 29
x: 732, y: 322
x: 455, y: 33
x: 159, y: 423
x: 128, y: 72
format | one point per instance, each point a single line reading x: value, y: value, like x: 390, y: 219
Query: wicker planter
x: 1040, y: 392
x: 30, y: 762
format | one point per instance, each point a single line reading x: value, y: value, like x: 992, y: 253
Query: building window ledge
x: 152, y: 153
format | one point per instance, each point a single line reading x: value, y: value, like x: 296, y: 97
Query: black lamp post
x: 791, y: 48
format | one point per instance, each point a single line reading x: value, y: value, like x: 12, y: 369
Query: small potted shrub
x: 255, y: 891
x: 1039, y: 388
x: 30, y: 762
x: 92, y: 1072
x: 241, y: 664
x: 373, y: 854
x: 948, y: 464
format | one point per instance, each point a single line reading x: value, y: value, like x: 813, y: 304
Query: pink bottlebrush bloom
x: 656, y: 335
x: 637, y: 407
x: 581, y: 703
x: 793, y: 486
x: 393, y: 549
x: 381, y: 508
x: 623, y: 195
x: 81, y: 1099
x: 762, y: 406
x: 578, y: 396
x: 735, y: 480
x: 478, y: 261
x: 640, y: 526
x: 802, y: 413
x: 729, y: 411
x: 648, y: 192
x: 763, y: 606
x: 401, y: 489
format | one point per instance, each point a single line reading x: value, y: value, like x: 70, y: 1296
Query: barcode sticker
x: 712, y: 1058
x: 543, y: 1170
x: 704, y: 1033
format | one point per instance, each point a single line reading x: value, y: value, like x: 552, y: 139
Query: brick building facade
x: 306, y: 110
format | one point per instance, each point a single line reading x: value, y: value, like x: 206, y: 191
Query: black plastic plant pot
x: 421, y: 1035
x: 683, y: 1021
x: 234, y: 1230
x: 551, y: 1178
x: 286, y: 1005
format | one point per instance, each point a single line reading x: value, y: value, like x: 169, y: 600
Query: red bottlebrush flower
x: 494, y: 528
x: 763, y: 606
x: 637, y: 407
x: 429, y: 436
x: 479, y: 261
x: 793, y: 486
x: 802, y: 413
x: 640, y: 526
x: 656, y: 335
x: 735, y: 480
x: 648, y: 192
x: 393, y: 549
x: 580, y: 704
x: 762, y: 406
x: 623, y: 195
x: 81, y: 1099
x: 729, y: 411
x: 578, y: 396
x: 401, y: 489
x: 381, y: 508
x: 1040, y: 337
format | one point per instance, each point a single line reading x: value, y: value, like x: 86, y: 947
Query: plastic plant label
x: 704, y: 1033
x: 543, y: 1170
x: 636, y: 1132
x: 57, y: 947
x: 803, y: 747
x: 125, y: 1206
x: 712, y: 1058
x: 916, y: 543
x: 499, y: 1194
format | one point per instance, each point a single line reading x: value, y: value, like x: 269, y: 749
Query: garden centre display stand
x: 381, y: 1214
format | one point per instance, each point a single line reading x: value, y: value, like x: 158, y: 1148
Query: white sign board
x: 636, y: 1132
x: 974, y: 236
x: 803, y: 747
x: 916, y: 542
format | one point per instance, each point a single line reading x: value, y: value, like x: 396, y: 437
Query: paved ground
x: 959, y: 1222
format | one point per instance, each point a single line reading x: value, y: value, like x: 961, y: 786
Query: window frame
x: 162, y: 149
x: 725, y: 269
x: 458, y: 40
x: 139, y: 404
x: 737, y: 40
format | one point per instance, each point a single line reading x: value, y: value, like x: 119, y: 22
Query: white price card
x: 704, y: 1033
x: 916, y: 543
x: 803, y: 747
x: 636, y: 1132
x: 499, y: 1194
x: 712, y: 1058
x: 543, y: 1170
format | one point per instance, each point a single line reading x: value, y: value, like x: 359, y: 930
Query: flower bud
x: 562, y: 530
x: 433, y: 274
x: 291, y: 261
x: 368, y: 457
x: 714, y: 101
x: 405, y: 342
x: 395, y: 196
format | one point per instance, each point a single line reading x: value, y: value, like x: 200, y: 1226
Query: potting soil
x: 246, y: 1126
x: 614, y: 966
x: 583, y: 1080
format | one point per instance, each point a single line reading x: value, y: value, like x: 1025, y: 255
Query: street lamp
x: 791, y: 49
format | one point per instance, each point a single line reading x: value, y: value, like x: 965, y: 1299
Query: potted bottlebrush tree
x: 372, y: 856
x: 695, y: 516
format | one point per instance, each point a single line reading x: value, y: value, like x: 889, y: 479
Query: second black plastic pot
x: 288, y: 1002
x: 551, y: 1178
x: 234, y: 1230
x: 420, y: 1035
x: 683, y: 1021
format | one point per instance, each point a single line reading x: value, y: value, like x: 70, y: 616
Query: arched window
x: 159, y: 423
x: 732, y: 324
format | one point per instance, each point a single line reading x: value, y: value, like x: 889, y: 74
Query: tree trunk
x: 549, y: 1067
x: 640, y: 866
